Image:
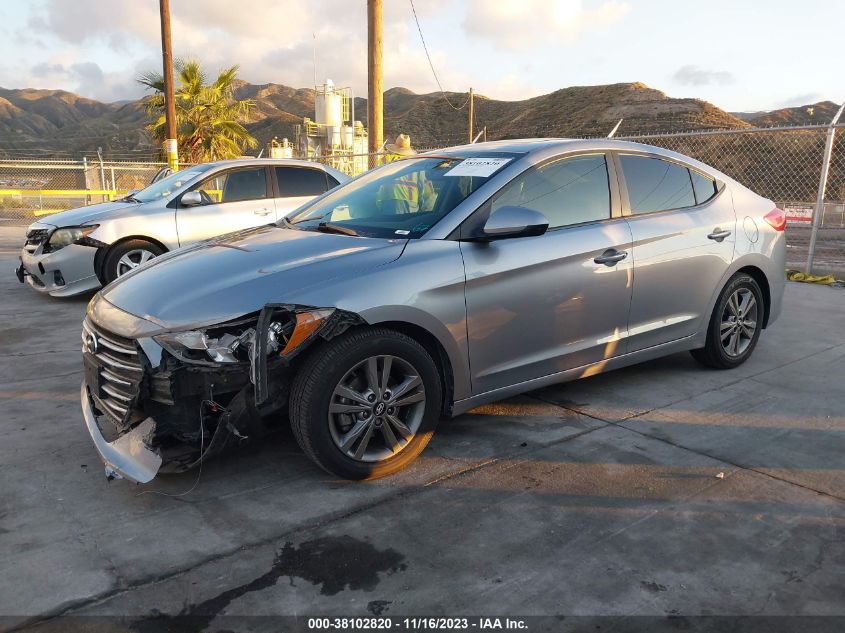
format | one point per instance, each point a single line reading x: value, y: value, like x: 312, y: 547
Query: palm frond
x: 209, y: 120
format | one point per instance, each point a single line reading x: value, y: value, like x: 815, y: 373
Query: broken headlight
x: 235, y: 342
x: 69, y: 235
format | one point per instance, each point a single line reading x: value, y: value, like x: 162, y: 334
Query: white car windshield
x: 403, y: 199
x: 167, y: 186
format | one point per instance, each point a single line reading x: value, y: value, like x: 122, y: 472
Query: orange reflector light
x: 306, y: 324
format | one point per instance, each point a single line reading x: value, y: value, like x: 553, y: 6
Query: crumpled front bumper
x: 129, y: 456
x: 63, y: 273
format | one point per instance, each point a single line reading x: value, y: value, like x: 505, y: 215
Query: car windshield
x: 166, y: 186
x: 402, y: 199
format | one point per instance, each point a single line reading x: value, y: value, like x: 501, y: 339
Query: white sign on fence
x: 798, y: 215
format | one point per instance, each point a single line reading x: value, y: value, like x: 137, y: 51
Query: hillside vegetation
x: 55, y: 122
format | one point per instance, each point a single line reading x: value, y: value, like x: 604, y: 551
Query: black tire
x: 714, y: 353
x: 112, y: 269
x: 314, y: 388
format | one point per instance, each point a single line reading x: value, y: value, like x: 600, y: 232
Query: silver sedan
x: 79, y: 250
x: 423, y: 289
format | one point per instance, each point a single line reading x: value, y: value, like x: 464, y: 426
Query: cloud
x: 45, y: 69
x: 85, y: 78
x: 524, y: 24
x: 271, y: 41
x: 803, y: 99
x: 691, y: 75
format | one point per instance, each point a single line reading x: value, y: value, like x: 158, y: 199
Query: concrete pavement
x: 598, y: 497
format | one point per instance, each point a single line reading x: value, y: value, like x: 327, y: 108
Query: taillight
x: 776, y: 219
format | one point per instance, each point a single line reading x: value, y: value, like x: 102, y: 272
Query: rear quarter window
x: 295, y: 182
x: 704, y: 186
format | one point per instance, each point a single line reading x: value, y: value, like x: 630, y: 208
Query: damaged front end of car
x: 168, y: 401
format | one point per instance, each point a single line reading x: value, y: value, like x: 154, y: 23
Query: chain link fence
x: 783, y: 164
x: 30, y: 189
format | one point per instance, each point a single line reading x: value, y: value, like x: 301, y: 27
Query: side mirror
x: 191, y: 199
x: 510, y: 222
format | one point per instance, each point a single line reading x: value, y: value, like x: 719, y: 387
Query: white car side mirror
x: 191, y: 199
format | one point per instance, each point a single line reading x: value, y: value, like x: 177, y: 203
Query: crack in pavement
x: 41, y: 353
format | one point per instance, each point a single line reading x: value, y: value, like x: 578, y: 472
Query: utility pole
x: 171, y: 149
x: 375, y: 84
x: 471, y: 114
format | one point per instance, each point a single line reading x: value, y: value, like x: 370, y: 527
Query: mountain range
x: 55, y: 123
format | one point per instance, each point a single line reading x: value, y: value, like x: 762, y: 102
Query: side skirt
x: 681, y: 345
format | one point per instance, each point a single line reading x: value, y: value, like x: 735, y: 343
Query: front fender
x: 451, y: 336
x: 159, y: 225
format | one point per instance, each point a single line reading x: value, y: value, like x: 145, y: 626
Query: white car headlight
x: 70, y: 235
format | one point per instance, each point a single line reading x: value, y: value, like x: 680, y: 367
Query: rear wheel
x: 735, y: 324
x: 127, y: 256
x: 366, y: 404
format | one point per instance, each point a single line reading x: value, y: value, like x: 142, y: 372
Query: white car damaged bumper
x: 60, y: 273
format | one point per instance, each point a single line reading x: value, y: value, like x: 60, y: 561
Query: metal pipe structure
x: 102, y: 168
x: 471, y: 114
x: 819, y: 211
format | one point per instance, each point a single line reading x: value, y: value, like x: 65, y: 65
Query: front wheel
x: 366, y: 404
x: 735, y: 324
x: 127, y: 256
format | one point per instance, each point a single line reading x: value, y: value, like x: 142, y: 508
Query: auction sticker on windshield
x: 482, y: 167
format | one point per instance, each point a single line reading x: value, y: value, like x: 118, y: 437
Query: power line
x: 431, y: 65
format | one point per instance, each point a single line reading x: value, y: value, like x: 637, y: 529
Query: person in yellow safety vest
x: 410, y: 193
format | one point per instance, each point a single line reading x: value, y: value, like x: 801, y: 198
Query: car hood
x: 90, y: 214
x: 240, y: 273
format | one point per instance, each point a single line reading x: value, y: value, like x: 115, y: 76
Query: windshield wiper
x: 319, y: 217
x: 130, y: 198
x: 329, y: 227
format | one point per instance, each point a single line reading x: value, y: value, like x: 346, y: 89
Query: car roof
x: 249, y: 160
x: 541, y: 148
x: 291, y: 162
x: 529, y: 145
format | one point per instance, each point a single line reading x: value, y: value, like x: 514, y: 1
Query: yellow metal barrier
x: 111, y: 194
x: 61, y: 192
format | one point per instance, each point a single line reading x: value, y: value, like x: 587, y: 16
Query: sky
x: 740, y: 55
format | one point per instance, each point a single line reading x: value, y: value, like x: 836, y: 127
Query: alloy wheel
x: 739, y: 322
x: 132, y: 259
x: 377, y: 408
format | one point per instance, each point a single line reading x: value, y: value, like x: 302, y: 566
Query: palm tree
x: 208, y: 117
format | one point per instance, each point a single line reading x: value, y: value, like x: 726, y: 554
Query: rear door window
x: 655, y: 184
x: 705, y: 188
x: 295, y: 182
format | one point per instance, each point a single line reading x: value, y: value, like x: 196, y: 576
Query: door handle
x: 718, y: 234
x: 611, y: 257
x: 264, y: 211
